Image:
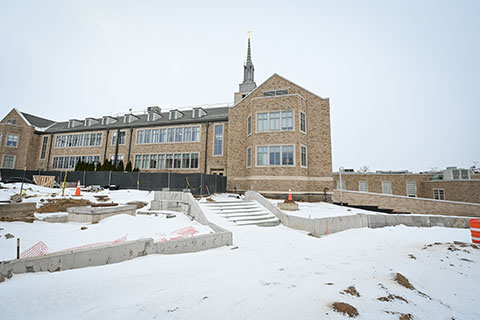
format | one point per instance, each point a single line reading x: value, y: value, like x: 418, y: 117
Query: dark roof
x: 213, y: 114
x: 37, y: 121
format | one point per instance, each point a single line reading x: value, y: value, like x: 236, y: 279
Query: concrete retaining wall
x: 318, y: 227
x: 408, y: 204
x: 17, y: 211
x: 124, y: 251
x: 95, y: 214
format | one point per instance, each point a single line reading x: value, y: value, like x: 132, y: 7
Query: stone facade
x: 315, y: 176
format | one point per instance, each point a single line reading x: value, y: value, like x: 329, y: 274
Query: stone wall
x: 408, y: 204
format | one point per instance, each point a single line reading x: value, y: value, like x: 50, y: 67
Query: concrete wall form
x: 318, y: 227
x: 125, y: 251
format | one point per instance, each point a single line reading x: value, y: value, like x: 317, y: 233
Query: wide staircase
x: 242, y: 213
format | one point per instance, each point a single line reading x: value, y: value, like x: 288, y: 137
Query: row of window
x: 167, y: 161
x: 181, y: 134
x: 438, y: 194
x: 79, y: 140
x: 277, y: 155
x: 276, y: 121
x: 8, y: 161
x: 69, y: 162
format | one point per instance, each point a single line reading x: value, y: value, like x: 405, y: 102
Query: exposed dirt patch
x: 139, y: 204
x: 407, y: 316
x: 345, y: 308
x: 61, y: 205
x: 392, y: 297
x: 401, y: 280
x: 351, y: 291
x: 412, y: 256
x: 210, y: 199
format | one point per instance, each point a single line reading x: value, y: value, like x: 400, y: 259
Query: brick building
x: 262, y: 142
x: 451, y: 184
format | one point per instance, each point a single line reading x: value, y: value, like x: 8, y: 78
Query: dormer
x: 175, y: 114
x: 73, y: 123
x: 129, y: 118
x: 90, y: 122
x: 198, y: 112
x: 154, y: 113
x: 106, y: 120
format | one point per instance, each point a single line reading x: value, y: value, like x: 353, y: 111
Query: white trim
x: 120, y: 144
x: 173, y: 159
x: 280, y: 178
x: 475, y: 229
x: 76, y: 134
x: 366, y: 184
x: 14, y: 161
x: 386, y: 183
x: 438, y: 189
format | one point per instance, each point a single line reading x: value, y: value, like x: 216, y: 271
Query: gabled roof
x: 36, y: 121
x: 213, y: 114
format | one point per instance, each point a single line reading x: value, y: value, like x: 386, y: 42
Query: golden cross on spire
x: 249, y: 33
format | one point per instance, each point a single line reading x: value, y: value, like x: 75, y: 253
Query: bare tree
x: 364, y: 169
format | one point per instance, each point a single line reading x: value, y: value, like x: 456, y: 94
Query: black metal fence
x: 198, y: 183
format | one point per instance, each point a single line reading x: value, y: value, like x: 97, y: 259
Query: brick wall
x: 407, y: 204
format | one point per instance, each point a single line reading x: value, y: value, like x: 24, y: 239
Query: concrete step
x: 255, y: 214
x: 262, y: 217
x: 262, y: 223
x: 256, y: 209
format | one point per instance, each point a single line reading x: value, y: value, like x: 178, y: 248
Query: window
x: 121, y: 139
x: 78, y: 140
x: 275, y: 155
x: 218, y: 140
x: 262, y: 156
x: 272, y: 93
x: 44, y: 148
x: 411, y: 189
x: 363, y: 186
x: 341, y: 186
x: 438, y: 194
x: 303, y: 122
x: 167, y: 161
x: 69, y: 162
x: 249, y: 125
x: 178, y: 134
x: 249, y: 157
x: 386, y: 187
x: 8, y: 162
x: 303, y: 152
x: 12, y: 140
x: 262, y: 122
x: 12, y: 121
x: 287, y: 120
x: 119, y: 158
x: 274, y: 121
x: 195, y: 133
x: 170, y: 134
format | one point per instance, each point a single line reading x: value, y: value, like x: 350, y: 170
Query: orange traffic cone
x: 290, y: 194
x: 77, y: 192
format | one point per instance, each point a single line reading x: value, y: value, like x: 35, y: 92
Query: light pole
x: 341, y: 186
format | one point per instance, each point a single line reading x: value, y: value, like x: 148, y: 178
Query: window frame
x: 173, y: 159
x: 440, y: 191
x: 300, y: 122
x: 8, y: 139
x: 366, y: 186
x: 384, y: 183
x: 268, y: 146
x: 249, y: 158
x: 43, y: 148
x: 415, y: 186
x: 221, y: 140
x: 301, y: 156
x: 13, y: 162
x: 249, y: 125
x: 268, y: 119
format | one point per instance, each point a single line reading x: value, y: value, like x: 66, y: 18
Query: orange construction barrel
x: 475, y: 230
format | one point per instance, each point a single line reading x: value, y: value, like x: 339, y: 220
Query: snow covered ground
x: 269, y: 273
x: 314, y: 210
x: 62, y: 236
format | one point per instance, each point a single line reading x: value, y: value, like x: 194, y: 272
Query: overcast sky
x: 402, y: 76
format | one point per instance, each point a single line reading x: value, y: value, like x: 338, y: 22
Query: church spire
x: 248, y: 83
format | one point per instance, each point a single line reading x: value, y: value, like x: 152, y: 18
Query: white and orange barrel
x: 475, y: 230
